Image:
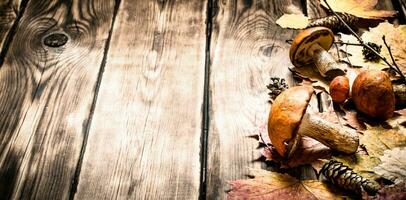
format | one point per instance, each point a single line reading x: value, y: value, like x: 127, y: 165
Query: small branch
x: 348, y: 58
x: 391, y: 56
x: 348, y: 43
x: 362, y: 42
x: 338, y: 50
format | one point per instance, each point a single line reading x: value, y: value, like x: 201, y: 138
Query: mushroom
x: 291, y: 117
x: 310, y: 46
x: 340, y: 89
x: 373, y: 94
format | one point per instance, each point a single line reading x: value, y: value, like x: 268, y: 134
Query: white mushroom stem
x: 324, y: 62
x: 333, y: 135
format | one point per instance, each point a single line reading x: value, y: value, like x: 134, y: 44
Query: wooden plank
x: 9, y: 10
x: 315, y: 9
x: 145, y: 135
x: 46, y: 94
x: 247, y: 49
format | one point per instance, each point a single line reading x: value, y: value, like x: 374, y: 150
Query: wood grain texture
x: 144, y: 142
x: 315, y: 9
x: 8, y: 13
x: 46, y: 94
x: 247, y: 49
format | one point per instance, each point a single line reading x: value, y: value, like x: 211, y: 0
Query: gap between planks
x: 75, y: 180
x: 206, y: 104
x: 10, y: 35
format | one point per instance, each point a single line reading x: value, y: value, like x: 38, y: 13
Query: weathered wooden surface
x: 122, y: 118
x: 9, y: 9
x: 144, y: 141
x: 46, y: 95
x: 247, y: 48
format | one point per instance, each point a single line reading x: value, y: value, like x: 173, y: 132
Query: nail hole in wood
x: 55, y: 40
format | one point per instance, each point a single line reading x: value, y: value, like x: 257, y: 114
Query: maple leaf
x: 360, y: 8
x: 395, y: 37
x: 272, y: 185
x: 294, y: 21
x: 393, y: 166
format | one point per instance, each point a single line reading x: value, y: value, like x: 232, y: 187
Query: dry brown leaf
x: 294, y: 21
x: 360, y: 8
x: 360, y: 163
x: 309, y: 151
x: 393, y: 166
x: 272, y: 185
x: 375, y: 140
x: 359, y: 121
x: 352, y: 120
x: 310, y: 72
x: 378, y: 139
x: 395, y: 37
x: 393, y: 192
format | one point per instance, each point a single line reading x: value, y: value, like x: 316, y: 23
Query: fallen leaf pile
x: 374, y: 141
x: 363, y: 9
x: 272, y: 185
x: 393, y: 166
x: 395, y: 37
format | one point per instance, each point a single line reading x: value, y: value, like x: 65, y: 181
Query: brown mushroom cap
x: 372, y: 93
x: 286, y: 114
x: 340, y: 89
x: 299, y: 50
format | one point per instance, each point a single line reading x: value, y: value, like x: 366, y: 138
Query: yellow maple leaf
x: 360, y: 8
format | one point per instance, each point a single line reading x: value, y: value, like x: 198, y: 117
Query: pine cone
x: 344, y: 177
x: 332, y: 22
x: 277, y: 86
x: 369, y: 55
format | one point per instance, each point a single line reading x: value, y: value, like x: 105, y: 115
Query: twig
x: 338, y: 50
x: 263, y: 141
x: 348, y: 58
x: 362, y: 42
x: 390, y: 54
x: 348, y: 43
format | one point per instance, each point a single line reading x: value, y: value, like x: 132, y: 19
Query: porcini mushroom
x: 373, y: 95
x: 310, y: 46
x: 290, y: 118
x: 340, y: 89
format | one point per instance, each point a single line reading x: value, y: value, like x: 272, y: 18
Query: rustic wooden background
x: 148, y: 99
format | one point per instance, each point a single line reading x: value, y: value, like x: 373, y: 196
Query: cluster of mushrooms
x: 290, y: 117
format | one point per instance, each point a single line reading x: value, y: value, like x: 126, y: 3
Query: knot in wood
x: 56, y: 40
